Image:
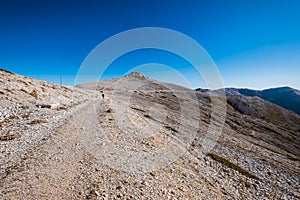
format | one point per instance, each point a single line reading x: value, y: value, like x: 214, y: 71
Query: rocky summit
x: 137, y: 138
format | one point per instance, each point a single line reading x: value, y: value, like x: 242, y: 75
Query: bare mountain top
x: 144, y: 140
x: 137, y: 75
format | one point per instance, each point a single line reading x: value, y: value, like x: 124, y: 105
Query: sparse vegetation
x: 231, y: 165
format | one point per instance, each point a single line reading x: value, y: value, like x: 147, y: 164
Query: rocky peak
x: 137, y: 75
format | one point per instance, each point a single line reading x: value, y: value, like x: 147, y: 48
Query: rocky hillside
x: 285, y: 97
x: 29, y: 110
x: 143, y: 140
x: 258, y: 136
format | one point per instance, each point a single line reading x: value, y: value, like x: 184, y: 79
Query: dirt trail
x: 53, y: 168
x: 67, y: 164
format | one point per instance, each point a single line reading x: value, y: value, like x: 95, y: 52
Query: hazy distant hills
x: 285, y: 97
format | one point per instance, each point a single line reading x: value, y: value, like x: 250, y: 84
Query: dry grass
x: 231, y: 165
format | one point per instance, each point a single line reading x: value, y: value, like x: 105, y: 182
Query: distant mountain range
x: 285, y: 97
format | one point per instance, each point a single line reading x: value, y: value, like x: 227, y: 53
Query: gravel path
x: 65, y: 167
x: 53, y: 167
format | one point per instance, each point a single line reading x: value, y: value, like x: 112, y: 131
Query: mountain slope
x: 144, y: 140
x: 275, y: 143
x: 273, y: 124
x: 285, y: 97
x: 30, y: 110
x: 270, y: 123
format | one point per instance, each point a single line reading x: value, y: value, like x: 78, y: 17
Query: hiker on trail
x: 103, y: 95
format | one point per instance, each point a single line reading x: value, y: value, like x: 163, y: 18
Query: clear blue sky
x: 255, y: 43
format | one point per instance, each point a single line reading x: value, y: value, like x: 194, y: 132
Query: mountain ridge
x: 285, y: 97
